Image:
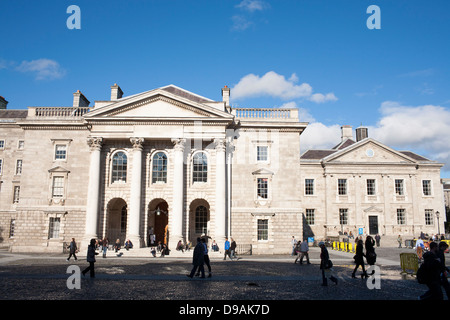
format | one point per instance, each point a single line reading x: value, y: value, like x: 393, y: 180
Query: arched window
x: 200, y: 167
x: 159, y: 171
x: 119, y: 167
x: 201, y: 219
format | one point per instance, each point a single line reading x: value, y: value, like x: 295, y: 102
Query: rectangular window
x: 2, y: 144
x: 343, y: 216
x: 399, y: 187
x: 58, y: 187
x: 426, y: 187
x: 429, y: 221
x: 263, y: 229
x: 21, y: 145
x: 342, y: 187
x: 1, y: 166
x: 309, y: 186
x: 19, y: 167
x: 12, y: 226
x: 53, y: 228
x: 401, y: 216
x: 310, y: 216
x: 370, y: 187
x: 60, y: 152
x: 261, y: 153
x: 16, y: 194
x: 262, y: 188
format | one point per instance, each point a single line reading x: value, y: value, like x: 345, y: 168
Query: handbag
x: 328, y: 264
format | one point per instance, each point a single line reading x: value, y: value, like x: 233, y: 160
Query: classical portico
x: 164, y: 121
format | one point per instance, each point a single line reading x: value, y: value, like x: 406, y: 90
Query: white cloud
x: 270, y: 84
x: 43, y: 69
x: 253, y: 5
x: 320, y: 98
x: 240, y: 23
x: 319, y: 136
x: 275, y: 85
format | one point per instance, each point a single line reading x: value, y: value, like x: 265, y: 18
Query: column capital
x: 95, y: 143
x: 221, y: 144
x: 138, y: 143
x: 179, y: 144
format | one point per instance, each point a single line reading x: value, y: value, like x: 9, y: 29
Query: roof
x: 414, y: 156
x: 344, y: 144
x: 185, y: 94
x: 316, y: 154
x: 13, y: 114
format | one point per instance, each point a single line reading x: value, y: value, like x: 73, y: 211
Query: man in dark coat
x: 432, y: 270
x: 198, y: 259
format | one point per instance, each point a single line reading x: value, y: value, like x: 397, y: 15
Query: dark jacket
x: 198, y: 258
x: 73, y: 247
x: 91, y: 253
x: 233, y: 245
x: 324, y: 257
x: 359, y: 256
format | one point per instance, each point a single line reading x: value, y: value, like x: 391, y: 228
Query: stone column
x: 176, y: 214
x: 220, y: 216
x: 93, y: 191
x: 134, y: 215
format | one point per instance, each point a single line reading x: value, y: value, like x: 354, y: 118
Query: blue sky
x: 316, y: 55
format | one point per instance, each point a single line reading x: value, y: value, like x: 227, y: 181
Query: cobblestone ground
x: 44, y: 277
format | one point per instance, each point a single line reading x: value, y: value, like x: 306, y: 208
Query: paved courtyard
x: 44, y: 277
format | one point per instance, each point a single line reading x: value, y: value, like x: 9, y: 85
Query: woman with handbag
x: 359, y: 259
x: 325, y: 265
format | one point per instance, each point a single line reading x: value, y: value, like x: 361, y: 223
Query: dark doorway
x: 373, y: 224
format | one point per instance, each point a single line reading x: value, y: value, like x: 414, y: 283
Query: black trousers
x: 201, y: 269
x: 91, y: 269
x: 72, y: 254
x: 208, y: 264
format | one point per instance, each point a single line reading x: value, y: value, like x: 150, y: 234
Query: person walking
x: 359, y: 260
x: 294, y: 244
x: 444, y: 270
x: 91, y: 259
x: 207, y: 261
x: 304, y: 249
x: 325, y: 265
x: 233, y: 249
x: 297, y: 251
x: 399, y: 240
x: 429, y: 274
x: 377, y: 240
x: 72, y: 249
x: 198, y: 259
x: 226, y: 247
x: 371, y: 256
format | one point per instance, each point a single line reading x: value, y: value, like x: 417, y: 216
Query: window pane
x: 200, y: 167
x: 399, y: 187
x: 16, y: 194
x: 119, y: 167
x: 310, y: 216
x: 342, y: 187
x: 309, y: 186
x: 429, y: 221
x: 60, y: 152
x: 201, y: 220
x: 262, y: 188
x: 263, y: 229
x: 53, y: 229
x: 426, y: 186
x: 343, y: 216
x: 401, y: 216
x: 370, y: 187
x: 261, y: 153
x: 159, y: 168
x: 58, y: 187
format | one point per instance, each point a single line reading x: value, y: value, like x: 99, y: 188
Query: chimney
x: 3, y: 103
x: 79, y: 100
x: 346, y: 133
x: 361, y: 133
x: 116, y: 92
x: 226, y: 95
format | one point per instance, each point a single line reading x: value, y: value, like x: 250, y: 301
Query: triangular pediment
x: 58, y: 169
x: 160, y: 103
x: 368, y: 151
x: 373, y: 209
x: 262, y: 171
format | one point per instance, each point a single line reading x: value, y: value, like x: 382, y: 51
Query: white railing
x: 265, y: 114
x: 58, y: 112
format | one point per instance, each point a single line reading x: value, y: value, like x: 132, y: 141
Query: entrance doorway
x: 373, y: 224
x: 117, y: 220
x: 158, y: 222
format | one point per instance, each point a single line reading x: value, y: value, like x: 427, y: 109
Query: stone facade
x: 168, y: 165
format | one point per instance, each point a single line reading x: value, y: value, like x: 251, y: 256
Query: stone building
x: 365, y: 187
x: 162, y: 165
x: 168, y: 165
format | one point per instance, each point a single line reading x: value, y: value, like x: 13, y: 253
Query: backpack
x: 422, y: 274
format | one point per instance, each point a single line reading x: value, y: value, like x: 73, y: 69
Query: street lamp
x: 437, y: 217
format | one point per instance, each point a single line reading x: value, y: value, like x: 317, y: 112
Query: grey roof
x: 414, y: 156
x: 344, y: 144
x: 316, y: 154
x: 13, y: 114
x: 185, y: 94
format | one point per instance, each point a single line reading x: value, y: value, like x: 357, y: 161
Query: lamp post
x: 437, y: 217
